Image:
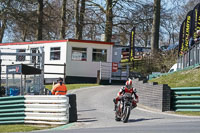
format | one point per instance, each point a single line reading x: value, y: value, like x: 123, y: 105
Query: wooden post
x: 25, y: 90
x: 98, y: 77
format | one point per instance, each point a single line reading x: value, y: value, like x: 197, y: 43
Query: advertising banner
x: 181, y: 38
x: 196, y: 20
x: 132, y: 45
x: 14, y: 69
x: 114, y: 67
x: 188, y: 30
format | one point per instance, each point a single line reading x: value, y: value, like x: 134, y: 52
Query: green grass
x: 73, y: 86
x: 188, y: 113
x: 21, y: 128
x: 187, y: 78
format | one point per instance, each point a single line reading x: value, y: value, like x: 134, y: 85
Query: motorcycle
x: 124, y: 107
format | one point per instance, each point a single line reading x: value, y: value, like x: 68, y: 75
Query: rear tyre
x: 117, y: 118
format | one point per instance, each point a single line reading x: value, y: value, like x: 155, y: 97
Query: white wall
x: 55, y: 69
x: 7, y: 60
x: 85, y: 68
x: 73, y: 68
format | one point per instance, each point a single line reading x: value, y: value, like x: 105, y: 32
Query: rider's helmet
x: 129, y: 84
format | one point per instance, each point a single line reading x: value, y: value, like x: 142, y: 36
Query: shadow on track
x: 87, y: 119
x: 143, y: 119
x: 86, y: 110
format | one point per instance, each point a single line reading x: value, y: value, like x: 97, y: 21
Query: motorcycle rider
x: 128, y: 88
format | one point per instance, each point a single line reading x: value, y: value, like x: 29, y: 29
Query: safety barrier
x: 34, y: 109
x: 12, y: 110
x: 186, y: 99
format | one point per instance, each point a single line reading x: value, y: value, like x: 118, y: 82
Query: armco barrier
x: 12, y: 110
x: 40, y: 109
x: 186, y: 99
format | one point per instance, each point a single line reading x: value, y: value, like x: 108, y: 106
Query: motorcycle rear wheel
x: 117, y: 118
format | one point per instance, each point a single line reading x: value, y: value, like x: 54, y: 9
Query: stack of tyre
x: 73, y: 108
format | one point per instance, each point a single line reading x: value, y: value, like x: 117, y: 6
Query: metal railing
x: 191, y: 58
x: 106, y: 72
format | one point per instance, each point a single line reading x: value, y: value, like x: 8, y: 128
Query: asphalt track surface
x: 96, y: 115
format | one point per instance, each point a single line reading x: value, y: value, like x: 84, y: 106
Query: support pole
x: 25, y: 91
x: 7, y: 84
x: 64, y: 73
x: 0, y: 77
x: 110, y: 79
x: 100, y: 71
x: 21, y: 87
x: 42, y: 71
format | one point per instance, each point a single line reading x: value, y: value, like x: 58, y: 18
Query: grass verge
x: 22, y: 128
x: 73, y: 86
x: 188, y: 113
x: 187, y: 78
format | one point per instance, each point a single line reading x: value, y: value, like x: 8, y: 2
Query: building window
x: 34, y: 58
x: 20, y: 57
x: 79, y: 54
x: 55, y: 53
x: 99, y: 55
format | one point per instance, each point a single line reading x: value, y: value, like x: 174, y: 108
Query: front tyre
x: 126, y: 114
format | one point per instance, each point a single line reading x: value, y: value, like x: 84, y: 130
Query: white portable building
x: 82, y: 58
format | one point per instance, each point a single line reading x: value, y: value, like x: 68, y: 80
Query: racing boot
x: 114, y: 100
x: 134, y: 104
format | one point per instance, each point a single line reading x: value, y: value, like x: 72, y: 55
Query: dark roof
x: 22, y: 69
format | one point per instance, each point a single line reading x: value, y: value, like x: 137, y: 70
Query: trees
x: 63, y: 19
x: 4, y: 10
x: 79, y: 19
x: 155, y: 27
x: 39, y: 20
x: 28, y: 20
x: 2, y: 27
x: 109, y: 20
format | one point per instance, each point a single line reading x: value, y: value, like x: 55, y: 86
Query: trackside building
x: 82, y: 58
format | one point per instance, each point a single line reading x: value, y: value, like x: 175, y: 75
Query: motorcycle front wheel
x: 126, y: 114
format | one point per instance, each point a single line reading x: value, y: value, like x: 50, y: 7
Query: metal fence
x: 29, y: 57
x: 190, y: 58
x: 106, y: 72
